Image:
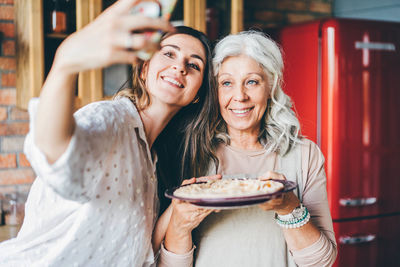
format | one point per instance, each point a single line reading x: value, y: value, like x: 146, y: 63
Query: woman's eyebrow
x: 250, y: 73
x: 256, y: 73
x: 179, y: 49
x: 224, y: 74
x: 173, y: 46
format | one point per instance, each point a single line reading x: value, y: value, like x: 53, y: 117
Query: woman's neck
x: 155, y: 118
x: 247, y: 140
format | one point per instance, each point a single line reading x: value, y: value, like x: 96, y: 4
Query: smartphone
x: 164, y: 9
x: 148, y: 9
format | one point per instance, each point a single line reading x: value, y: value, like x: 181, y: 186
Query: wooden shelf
x: 35, y: 48
x: 195, y: 15
x: 57, y: 35
x: 29, y: 50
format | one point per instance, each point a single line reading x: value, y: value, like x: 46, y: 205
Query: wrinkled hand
x: 284, y: 203
x: 107, y: 40
x: 185, y: 216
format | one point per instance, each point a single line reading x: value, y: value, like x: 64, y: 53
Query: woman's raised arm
x: 109, y: 39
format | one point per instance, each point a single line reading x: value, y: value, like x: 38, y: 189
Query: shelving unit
x: 36, y: 44
x: 29, y: 49
x: 57, y: 35
x: 36, y: 47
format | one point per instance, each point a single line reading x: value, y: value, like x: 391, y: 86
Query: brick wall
x: 269, y: 15
x: 15, y: 172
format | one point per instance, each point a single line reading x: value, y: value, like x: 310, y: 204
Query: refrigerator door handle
x: 352, y: 240
x: 355, y: 202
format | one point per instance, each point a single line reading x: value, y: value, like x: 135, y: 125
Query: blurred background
x: 31, y: 31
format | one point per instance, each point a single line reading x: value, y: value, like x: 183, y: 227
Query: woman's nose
x: 239, y: 94
x: 180, y: 66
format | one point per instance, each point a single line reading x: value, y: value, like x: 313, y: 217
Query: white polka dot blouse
x: 97, y: 204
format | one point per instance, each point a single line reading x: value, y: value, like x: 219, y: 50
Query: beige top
x: 250, y: 236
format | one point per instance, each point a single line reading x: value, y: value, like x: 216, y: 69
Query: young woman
x: 256, y: 135
x: 94, y: 201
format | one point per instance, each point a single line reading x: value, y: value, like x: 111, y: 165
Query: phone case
x: 162, y: 9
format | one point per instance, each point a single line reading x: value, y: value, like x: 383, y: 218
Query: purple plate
x: 233, y: 202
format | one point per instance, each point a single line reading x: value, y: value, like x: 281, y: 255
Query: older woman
x: 257, y: 134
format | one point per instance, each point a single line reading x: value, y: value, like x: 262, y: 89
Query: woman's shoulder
x: 108, y: 106
x: 309, y: 145
x: 311, y: 153
x: 114, y: 111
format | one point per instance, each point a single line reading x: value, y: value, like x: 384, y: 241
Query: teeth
x: 240, y: 111
x: 168, y: 79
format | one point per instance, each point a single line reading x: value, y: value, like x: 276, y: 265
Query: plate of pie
x: 230, y: 193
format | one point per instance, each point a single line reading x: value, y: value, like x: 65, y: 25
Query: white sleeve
x: 75, y: 173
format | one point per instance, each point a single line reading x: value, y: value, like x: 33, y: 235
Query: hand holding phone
x: 147, y: 8
x: 152, y: 9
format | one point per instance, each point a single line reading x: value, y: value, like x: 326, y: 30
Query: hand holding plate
x: 283, y: 203
x: 186, y: 216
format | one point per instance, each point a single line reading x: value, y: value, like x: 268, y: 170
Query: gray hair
x: 280, y: 128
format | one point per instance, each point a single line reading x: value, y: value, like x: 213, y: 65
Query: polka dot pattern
x: 99, y: 199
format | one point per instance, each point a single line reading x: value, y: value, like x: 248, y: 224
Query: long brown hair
x: 192, y: 144
x: 184, y: 147
x: 137, y: 91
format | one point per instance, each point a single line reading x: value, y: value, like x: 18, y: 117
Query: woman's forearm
x: 297, y: 238
x: 302, y: 237
x: 54, y: 123
x: 174, y: 252
x: 161, y: 228
x: 178, y: 242
x: 183, y: 219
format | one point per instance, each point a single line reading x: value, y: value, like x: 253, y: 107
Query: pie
x: 226, y: 188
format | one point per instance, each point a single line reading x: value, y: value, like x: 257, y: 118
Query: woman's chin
x: 173, y: 101
x: 243, y: 127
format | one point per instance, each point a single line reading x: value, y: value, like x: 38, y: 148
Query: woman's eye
x: 193, y: 66
x: 226, y: 83
x: 168, y: 54
x: 252, y: 82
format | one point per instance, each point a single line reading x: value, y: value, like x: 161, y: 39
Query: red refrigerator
x: 344, y: 78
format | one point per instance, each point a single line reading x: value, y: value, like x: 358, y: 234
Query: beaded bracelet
x: 294, y: 221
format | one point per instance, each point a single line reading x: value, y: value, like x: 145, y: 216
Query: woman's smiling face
x: 243, y: 92
x: 175, y: 73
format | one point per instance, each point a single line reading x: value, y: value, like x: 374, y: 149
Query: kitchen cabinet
x: 36, y: 43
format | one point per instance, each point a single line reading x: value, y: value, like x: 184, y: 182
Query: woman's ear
x: 143, y: 73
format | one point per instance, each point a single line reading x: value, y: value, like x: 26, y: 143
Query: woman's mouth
x: 241, y: 112
x: 173, y: 81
